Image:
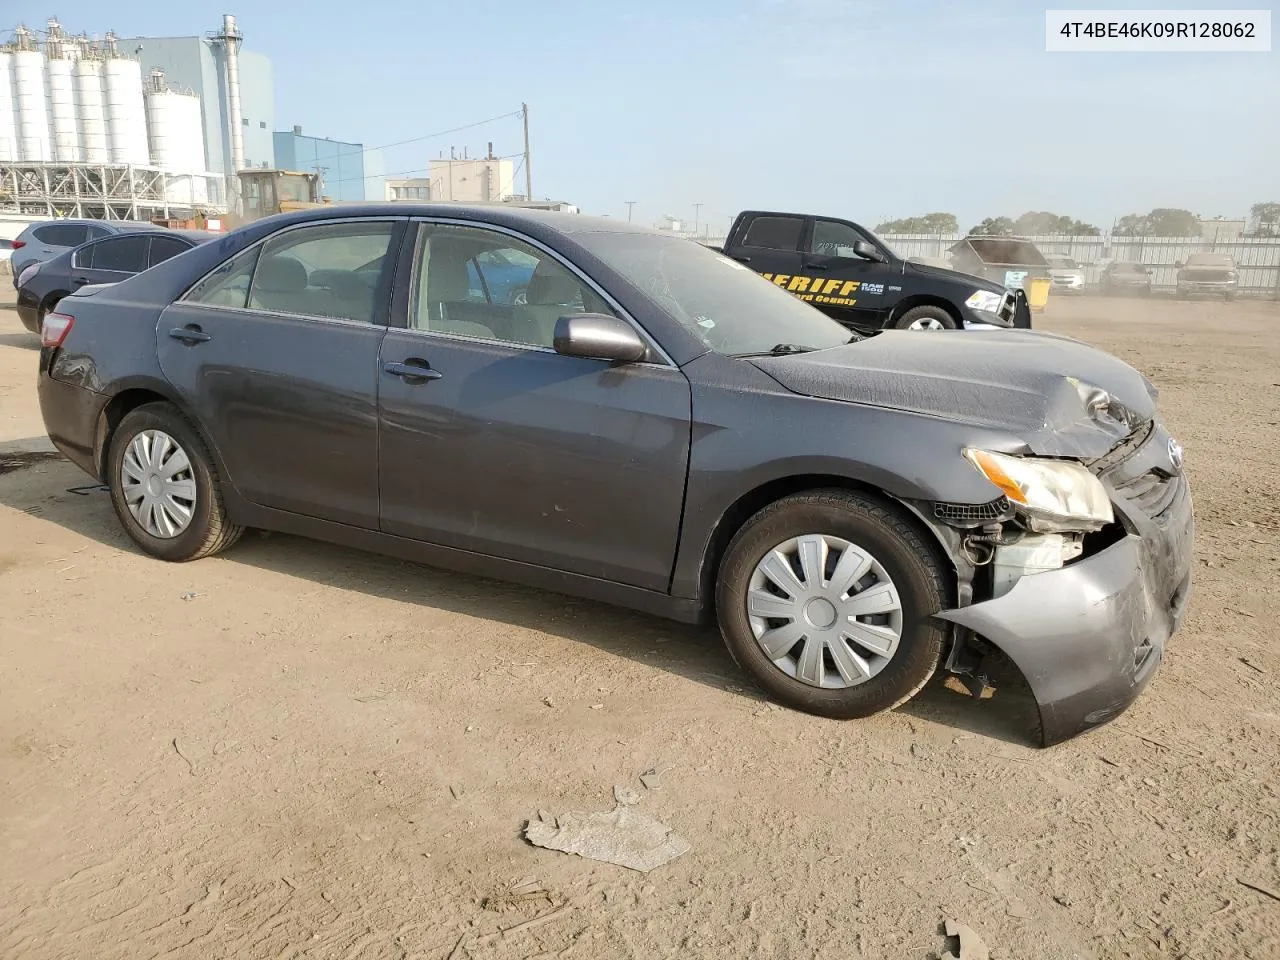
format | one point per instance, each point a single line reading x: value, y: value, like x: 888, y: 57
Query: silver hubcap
x: 926, y: 323
x: 824, y: 611
x: 158, y: 484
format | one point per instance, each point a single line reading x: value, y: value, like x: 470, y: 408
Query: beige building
x: 413, y: 188
x: 471, y: 181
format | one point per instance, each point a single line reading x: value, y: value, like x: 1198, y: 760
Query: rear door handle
x: 190, y: 335
x: 413, y: 370
x: 80, y: 280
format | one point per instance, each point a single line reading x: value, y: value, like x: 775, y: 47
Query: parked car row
x: 109, y: 258
x: 604, y: 410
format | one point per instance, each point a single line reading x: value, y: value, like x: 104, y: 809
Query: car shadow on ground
x: 22, y: 339
x: 697, y: 653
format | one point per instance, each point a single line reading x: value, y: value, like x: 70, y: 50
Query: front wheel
x: 924, y: 318
x: 164, y: 486
x: 827, y: 599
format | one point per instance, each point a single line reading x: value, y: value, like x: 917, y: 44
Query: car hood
x: 1058, y: 396
x: 954, y: 276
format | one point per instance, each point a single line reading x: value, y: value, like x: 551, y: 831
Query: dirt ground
x: 296, y: 750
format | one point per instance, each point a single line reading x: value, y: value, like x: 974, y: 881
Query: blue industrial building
x: 343, y: 167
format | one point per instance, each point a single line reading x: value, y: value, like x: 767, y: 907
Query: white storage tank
x: 62, y: 111
x: 8, y: 122
x: 177, y: 141
x: 126, y: 121
x: 34, y: 143
x: 91, y: 111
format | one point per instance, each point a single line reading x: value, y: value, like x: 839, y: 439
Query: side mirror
x: 598, y: 336
x: 868, y: 251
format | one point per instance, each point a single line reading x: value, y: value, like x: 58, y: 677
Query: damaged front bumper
x: 1089, y: 637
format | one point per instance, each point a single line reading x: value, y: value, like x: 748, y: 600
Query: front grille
x: 1139, y: 471
x: 1207, y: 276
x: 1152, y: 492
x: 973, y: 514
x: 1008, y: 305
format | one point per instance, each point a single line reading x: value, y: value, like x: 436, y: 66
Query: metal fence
x: 1257, y: 259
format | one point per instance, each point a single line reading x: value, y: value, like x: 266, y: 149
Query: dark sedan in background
x: 108, y: 260
x: 641, y: 420
x: 46, y: 240
x: 1125, y: 277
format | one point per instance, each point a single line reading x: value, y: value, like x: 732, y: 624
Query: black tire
x: 911, y: 561
x: 926, y: 312
x: 209, y: 530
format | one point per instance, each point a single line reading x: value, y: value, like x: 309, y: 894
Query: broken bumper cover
x: 1089, y: 637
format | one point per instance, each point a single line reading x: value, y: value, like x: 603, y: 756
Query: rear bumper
x: 1088, y: 638
x: 71, y: 415
x: 28, y: 310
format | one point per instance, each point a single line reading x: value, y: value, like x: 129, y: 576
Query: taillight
x: 19, y: 244
x: 28, y: 272
x: 55, y: 329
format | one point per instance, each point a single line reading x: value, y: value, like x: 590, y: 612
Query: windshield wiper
x: 779, y: 350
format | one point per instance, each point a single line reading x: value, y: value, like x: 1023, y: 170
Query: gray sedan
x: 615, y: 413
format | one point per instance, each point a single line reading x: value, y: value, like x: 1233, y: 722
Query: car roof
x: 498, y: 213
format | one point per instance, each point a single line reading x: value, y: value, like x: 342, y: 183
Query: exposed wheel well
x: 50, y: 299
x: 750, y: 503
x: 121, y: 405
x: 924, y: 300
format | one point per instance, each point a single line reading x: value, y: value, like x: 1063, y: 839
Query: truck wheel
x: 164, y: 486
x: 827, y: 599
x: 924, y: 318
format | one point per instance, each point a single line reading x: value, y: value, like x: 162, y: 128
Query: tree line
x: 1264, y: 221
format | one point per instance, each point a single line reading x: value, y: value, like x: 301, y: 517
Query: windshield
x: 732, y: 309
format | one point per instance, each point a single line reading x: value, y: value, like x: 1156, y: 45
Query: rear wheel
x: 827, y: 599
x: 925, y: 317
x: 164, y: 486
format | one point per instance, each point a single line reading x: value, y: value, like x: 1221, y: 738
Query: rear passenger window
x: 62, y: 234
x: 774, y: 233
x: 328, y: 270
x: 121, y: 254
x: 228, y: 285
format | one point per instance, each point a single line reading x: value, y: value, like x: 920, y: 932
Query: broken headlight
x: 1053, y: 495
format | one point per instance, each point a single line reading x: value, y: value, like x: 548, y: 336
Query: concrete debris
x: 651, y: 779
x: 621, y: 836
x: 625, y: 795
x: 971, y: 945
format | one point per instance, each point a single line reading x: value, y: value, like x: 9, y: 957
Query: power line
x: 444, y: 133
x: 405, y: 173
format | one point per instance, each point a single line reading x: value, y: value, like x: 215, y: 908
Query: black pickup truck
x: 850, y: 274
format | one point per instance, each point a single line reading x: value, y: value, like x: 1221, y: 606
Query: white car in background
x: 1065, y: 275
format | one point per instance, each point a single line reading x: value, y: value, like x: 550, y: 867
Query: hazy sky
x: 863, y: 109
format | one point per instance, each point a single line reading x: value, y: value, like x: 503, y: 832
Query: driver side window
x: 832, y: 239
x: 471, y: 282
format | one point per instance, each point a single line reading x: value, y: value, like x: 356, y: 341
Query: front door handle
x: 190, y: 334
x: 817, y: 266
x: 412, y: 370
x: 80, y: 280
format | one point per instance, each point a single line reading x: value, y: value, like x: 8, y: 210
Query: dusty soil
x: 296, y: 750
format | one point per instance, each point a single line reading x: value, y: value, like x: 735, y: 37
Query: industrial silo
x: 91, y: 109
x: 177, y: 140
x: 126, y: 120
x: 62, y: 111
x: 8, y: 122
x: 34, y: 144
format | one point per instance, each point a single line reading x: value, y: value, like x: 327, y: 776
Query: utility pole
x: 630, y: 204
x: 528, y: 173
x: 696, y: 208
